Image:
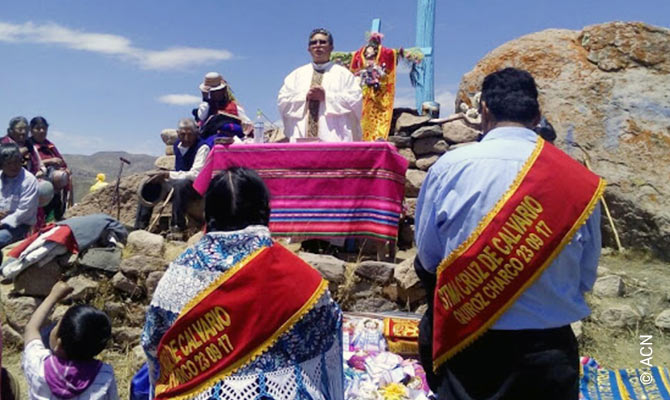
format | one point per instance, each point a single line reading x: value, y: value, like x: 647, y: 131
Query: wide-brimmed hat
x: 213, y: 81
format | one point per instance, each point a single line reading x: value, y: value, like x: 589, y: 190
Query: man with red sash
x: 508, y: 240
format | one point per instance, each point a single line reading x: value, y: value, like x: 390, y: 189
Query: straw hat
x: 213, y: 81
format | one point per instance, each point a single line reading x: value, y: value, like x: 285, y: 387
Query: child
x: 67, y: 369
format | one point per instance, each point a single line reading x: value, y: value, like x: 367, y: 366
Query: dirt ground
x: 647, y: 289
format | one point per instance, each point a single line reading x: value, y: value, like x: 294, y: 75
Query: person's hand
x: 316, y: 93
x: 39, y: 174
x: 60, y: 290
x: 160, y: 175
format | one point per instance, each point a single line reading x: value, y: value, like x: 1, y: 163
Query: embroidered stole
x: 551, y: 197
x: 238, y: 317
x: 313, y: 106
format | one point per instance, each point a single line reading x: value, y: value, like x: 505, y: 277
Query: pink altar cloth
x: 322, y: 190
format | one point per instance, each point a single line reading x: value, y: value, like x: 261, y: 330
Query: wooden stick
x: 607, y: 211
x: 160, y: 211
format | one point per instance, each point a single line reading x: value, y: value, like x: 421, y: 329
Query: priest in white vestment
x: 321, y: 99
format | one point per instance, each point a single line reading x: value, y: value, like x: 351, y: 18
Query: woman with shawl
x: 237, y: 316
x: 57, y: 172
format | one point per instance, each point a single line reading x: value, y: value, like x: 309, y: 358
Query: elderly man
x: 190, y: 155
x: 321, y: 99
x: 506, y: 248
x: 18, y: 196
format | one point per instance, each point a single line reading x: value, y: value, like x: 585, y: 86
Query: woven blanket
x: 624, y: 384
x: 322, y: 190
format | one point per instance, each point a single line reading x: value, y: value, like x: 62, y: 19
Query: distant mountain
x: 85, y: 168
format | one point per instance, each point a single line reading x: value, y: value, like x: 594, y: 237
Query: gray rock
x: 38, y: 281
x: 145, y: 243
x: 364, y: 289
x: 169, y: 136
x: 11, y: 339
x: 603, y: 271
x: 121, y: 283
x: 662, y: 321
x: 115, y: 310
x: 577, y: 329
x: 103, y: 258
x: 374, y: 304
x: 427, y: 132
x: 401, y: 142
x: 413, y: 180
x: 426, y: 161
x: 609, y: 286
x: 405, y: 275
x: 141, y: 266
x: 429, y: 145
x: 409, y: 207
x: 409, y: 156
x: 84, y: 288
x: 19, y: 310
x: 126, y: 336
x: 152, y: 281
x: 458, y: 132
x: 619, y: 316
x: 165, y: 162
x: 58, y: 313
x: 331, y: 268
x: 407, y: 122
x: 376, y: 271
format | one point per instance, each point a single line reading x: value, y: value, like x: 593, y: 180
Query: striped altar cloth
x: 322, y: 190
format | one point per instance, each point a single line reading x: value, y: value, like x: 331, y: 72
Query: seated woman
x: 17, y: 132
x: 57, y: 172
x: 237, y: 316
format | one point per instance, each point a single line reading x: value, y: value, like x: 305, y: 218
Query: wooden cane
x: 160, y: 210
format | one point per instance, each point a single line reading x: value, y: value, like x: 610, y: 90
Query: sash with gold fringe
x: 238, y: 317
x: 549, y: 200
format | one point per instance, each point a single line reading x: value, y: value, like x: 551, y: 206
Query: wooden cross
x: 425, y: 35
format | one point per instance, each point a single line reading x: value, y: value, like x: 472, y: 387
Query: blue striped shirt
x: 463, y: 186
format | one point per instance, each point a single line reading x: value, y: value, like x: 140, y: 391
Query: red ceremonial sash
x: 551, y: 197
x: 236, y: 319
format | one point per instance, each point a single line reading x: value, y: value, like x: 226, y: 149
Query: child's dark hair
x: 235, y: 199
x: 84, y: 332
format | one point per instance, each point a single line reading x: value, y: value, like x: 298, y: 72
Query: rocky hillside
x: 85, y: 168
x: 606, y: 90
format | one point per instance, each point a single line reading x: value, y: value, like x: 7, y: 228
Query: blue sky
x: 110, y: 75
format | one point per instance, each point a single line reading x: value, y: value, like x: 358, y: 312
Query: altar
x: 322, y: 190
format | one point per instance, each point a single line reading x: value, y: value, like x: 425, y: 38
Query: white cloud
x: 179, y: 99
x: 181, y: 57
x: 108, y: 44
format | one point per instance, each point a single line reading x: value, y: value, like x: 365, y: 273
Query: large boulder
x: 605, y: 89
